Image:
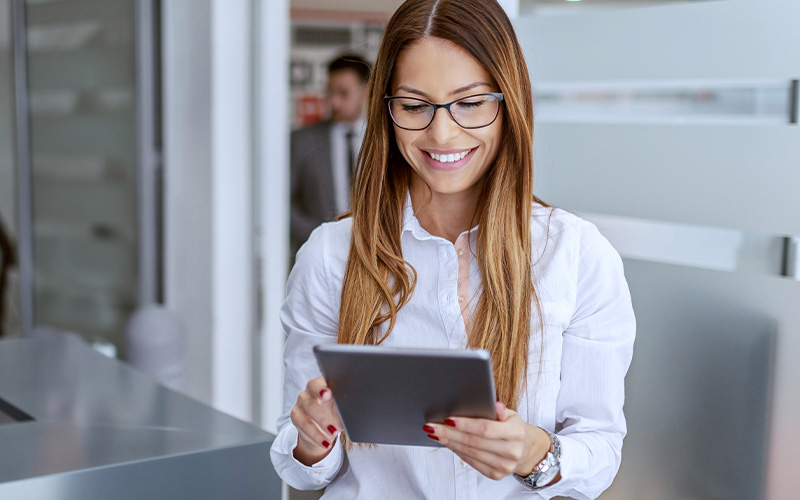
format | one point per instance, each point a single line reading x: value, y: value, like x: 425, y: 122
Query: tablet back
x: 385, y: 395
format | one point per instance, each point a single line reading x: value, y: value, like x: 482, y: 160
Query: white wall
x: 209, y: 260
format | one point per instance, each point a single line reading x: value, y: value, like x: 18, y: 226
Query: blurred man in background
x: 323, y: 155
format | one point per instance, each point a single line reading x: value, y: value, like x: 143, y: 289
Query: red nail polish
x: 326, y: 444
x: 433, y: 437
x: 428, y: 429
x: 322, y: 392
x: 450, y: 422
x: 331, y: 429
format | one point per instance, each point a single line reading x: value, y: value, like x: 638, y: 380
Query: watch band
x: 546, y: 470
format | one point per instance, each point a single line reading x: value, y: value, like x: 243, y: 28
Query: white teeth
x: 449, y: 158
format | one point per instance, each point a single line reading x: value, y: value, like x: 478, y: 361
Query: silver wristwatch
x: 547, y: 470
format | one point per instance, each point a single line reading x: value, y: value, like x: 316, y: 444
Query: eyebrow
x: 456, y: 91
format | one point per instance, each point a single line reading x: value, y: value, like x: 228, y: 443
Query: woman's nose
x: 443, y: 129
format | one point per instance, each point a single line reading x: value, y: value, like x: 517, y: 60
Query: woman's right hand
x: 317, y: 421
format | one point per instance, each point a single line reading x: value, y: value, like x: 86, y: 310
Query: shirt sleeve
x: 310, y: 316
x: 597, y: 351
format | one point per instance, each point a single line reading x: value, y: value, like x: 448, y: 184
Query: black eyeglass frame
x: 497, y: 95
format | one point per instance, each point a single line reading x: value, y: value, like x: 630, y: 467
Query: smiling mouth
x: 450, y: 158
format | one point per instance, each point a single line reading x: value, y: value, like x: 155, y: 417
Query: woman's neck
x: 444, y: 215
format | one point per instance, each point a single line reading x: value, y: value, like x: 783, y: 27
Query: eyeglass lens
x: 470, y: 112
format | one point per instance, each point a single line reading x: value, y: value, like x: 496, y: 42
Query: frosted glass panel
x: 721, y: 249
x: 712, y: 387
x: 81, y: 77
x: 743, y: 177
x: 681, y: 122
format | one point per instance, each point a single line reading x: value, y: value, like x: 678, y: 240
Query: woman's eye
x: 414, y: 108
x: 470, y: 105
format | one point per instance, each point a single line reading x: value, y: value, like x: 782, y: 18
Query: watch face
x: 546, y: 477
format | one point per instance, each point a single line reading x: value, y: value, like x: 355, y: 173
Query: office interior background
x: 144, y: 166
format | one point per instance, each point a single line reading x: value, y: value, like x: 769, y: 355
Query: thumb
x: 502, y: 414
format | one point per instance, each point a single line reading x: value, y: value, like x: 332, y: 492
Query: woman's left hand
x: 496, y: 449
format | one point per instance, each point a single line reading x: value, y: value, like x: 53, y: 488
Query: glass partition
x: 81, y: 58
x: 9, y: 305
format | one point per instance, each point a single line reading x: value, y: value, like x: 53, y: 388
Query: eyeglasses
x: 475, y: 111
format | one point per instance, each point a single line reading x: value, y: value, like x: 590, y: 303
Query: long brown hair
x: 378, y: 282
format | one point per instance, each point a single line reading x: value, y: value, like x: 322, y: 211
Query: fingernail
x: 331, y: 429
x: 322, y: 392
x: 428, y: 429
x: 325, y: 444
x: 450, y: 422
x: 433, y: 437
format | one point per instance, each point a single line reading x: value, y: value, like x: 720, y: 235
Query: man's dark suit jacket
x: 313, y: 197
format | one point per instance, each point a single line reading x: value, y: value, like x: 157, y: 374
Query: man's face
x: 346, y: 95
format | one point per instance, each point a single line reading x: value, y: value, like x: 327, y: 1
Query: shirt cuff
x: 301, y: 476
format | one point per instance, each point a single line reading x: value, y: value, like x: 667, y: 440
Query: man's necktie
x: 350, y: 154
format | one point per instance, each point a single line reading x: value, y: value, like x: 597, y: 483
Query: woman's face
x: 440, y: 71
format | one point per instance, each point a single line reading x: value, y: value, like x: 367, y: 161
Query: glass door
x: 9, y: 304
x: 85, y: 98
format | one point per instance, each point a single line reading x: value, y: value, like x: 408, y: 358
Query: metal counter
x: 98, y: 429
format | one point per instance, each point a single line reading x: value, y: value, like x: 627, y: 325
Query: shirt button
x: 462, y: 463
x: 461, y: 252
x: 460, y: 298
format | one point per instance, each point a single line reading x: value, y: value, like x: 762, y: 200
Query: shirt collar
x: 411, y: 223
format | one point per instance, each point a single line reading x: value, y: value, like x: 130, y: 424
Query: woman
x: 446, y: 247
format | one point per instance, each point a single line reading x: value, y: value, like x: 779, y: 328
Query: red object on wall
x: 310, y: 109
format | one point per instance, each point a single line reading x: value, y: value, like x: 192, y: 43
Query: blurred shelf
x: 89, y: 68
x: 72, y: 11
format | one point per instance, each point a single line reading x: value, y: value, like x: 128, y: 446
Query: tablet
x: 385, y: 395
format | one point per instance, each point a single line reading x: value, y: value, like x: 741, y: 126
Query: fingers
x: 494, y: 458
x: 473, y: 437
x: 315, y: 416
x: 317, y: 391
x: 494, y: 448
x: 490, y: 467
x: 511, y: 428
x: 312, y: 437
x: 318, y: 387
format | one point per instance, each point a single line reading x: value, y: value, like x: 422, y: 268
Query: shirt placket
x: 462, y: 288
x: 448, y: 293
x: 466, y: 480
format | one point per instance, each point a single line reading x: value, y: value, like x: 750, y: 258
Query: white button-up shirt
x: 577, y: 391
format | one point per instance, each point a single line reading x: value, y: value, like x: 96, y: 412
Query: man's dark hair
x: 351, y: 62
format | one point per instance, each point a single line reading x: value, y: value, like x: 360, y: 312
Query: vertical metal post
x: 794, y: 101
x: 24, y: 169
x: 147, y: 155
